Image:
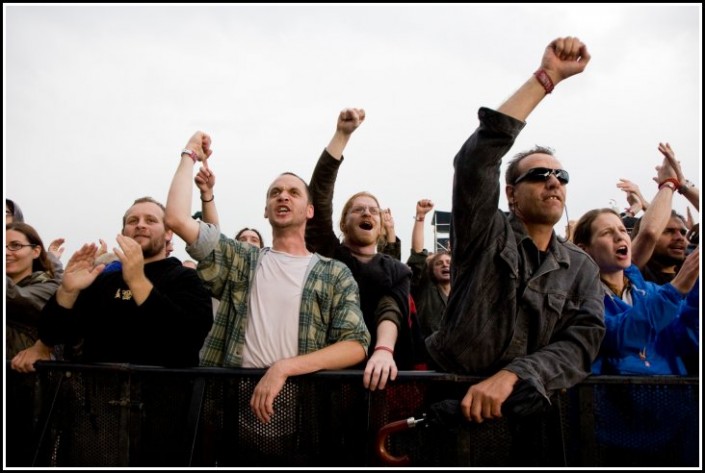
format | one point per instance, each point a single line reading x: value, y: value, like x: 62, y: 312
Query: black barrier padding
x: 94, y: 416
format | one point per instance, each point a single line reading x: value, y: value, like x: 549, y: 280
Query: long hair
x: 432, y: 262
x: 348, y: 206
x: 582, y: 235
x: 41, y: 263
x: 261, y: 241
x: 17, y: 215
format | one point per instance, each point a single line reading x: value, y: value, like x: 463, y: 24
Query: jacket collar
x: 556, y: 247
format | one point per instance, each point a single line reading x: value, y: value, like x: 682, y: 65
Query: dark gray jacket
x: 544, y: 323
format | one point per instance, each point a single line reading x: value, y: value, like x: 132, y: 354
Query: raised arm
x: 320, y: 236
x: 178, y: 204
x: 635, y: 199
x: 657, y: 215
x: 348, y: 121
x: 687, y: 189
x: 205, y: 181
x: 423, y: 207
x: 562, y: 58
x: 392, y: 244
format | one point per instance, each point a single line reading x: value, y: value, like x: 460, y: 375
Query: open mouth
x: 366, y: 225
x: 622, y: 251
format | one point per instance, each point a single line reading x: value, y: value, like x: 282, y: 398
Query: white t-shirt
x: 275, y: 299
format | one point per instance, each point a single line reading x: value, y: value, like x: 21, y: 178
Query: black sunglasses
x: 542, y: 174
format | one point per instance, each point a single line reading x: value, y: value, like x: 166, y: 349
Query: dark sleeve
x: 392, y: 249
x: 56, y: 323
x: 388, y: 309
x: 476, y: 181
x: 180, y: 310
x: 320, y: 237
x: 419, y: 273
x: 25, y: 303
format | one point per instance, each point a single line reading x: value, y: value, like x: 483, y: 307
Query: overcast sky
x: 99, y: 101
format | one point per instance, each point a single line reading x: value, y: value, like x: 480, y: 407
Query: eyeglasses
x: 542, y: 174
x: 359, y: 209
x: 17, y: 246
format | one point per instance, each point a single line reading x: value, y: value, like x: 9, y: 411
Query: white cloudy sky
x: 99, y: 100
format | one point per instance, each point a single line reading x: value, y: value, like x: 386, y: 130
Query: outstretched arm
x: 656, y: 217
x: 562, y: 58
x: 340, y: 355
x: 423, y: 207
x: 320, y: 236
x: 205, y: 181
x: 635, y: 198
x: 348, y: 121
x: 687, y: 188
x: 178, y: 203
x: 392, y: 244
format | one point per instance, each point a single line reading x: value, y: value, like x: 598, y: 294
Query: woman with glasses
x: 29, y: 283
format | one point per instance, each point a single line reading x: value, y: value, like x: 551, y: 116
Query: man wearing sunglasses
x: 526, y: 307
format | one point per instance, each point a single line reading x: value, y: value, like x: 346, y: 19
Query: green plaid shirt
x: 330, y: 303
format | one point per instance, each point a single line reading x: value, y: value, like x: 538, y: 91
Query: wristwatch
x: 685, y: 186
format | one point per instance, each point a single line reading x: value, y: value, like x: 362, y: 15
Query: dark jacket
x: 430, y: 299
x: 24, y: 302
x: 542, y: 322
x: 380, y: 279
x: 168, y: 329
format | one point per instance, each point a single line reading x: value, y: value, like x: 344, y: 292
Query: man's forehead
x: 540, y: 160
x: 364, y: 199
x: 675, y: 224
x: 145, y: 208
x: 287, y: 182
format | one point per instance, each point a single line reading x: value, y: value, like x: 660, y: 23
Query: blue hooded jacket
x: 650, y: 337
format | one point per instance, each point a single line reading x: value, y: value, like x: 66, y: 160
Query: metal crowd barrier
x: 100, y: 415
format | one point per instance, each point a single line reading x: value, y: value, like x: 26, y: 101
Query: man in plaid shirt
x: 282, y: 308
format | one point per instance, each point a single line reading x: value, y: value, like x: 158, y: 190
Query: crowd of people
x: 531, y: 311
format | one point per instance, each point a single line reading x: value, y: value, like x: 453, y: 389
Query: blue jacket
x: 650, y: 337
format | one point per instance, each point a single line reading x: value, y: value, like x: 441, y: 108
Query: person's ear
x: 509, y: 191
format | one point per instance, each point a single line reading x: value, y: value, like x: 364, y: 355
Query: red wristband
x: 382, y: 347
x: 191, y: 153
x: 672, y: 180
x: 545, y: 80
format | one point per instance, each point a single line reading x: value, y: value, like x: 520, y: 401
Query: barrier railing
x: 124, y: 415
